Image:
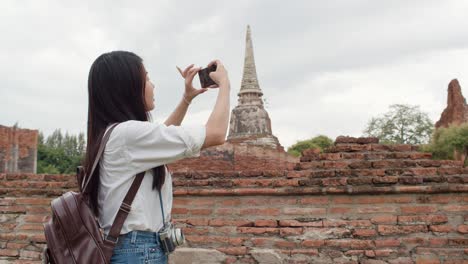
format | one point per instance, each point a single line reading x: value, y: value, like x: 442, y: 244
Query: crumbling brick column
x: 18, y: 150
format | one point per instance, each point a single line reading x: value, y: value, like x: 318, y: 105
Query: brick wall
x: 24, y: 206
x: 237, y: 157
x: 18, y: 150
x: 360, y: 202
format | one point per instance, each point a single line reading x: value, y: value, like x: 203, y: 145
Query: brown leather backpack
x: 73, y: 234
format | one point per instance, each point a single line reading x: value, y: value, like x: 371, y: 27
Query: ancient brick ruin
x: 18, y: 150
x: 359, y: 202
x: 456, y: 111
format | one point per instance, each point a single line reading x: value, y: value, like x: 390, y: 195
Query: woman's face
x: 149, y: 93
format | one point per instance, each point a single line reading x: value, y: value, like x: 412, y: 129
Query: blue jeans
x: 139, y: 247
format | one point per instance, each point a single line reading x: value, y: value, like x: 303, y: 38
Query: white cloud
x: 324, y: 67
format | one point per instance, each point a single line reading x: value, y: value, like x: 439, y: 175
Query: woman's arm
x: 178, y: 114
x: 216, y: 127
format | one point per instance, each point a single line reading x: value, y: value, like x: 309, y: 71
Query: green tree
x: 402, y: 124
x: 321, y: 142
x: 446, y: 141
x: 59, y: 153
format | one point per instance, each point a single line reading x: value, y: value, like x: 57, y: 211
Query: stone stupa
x: 250, y: 123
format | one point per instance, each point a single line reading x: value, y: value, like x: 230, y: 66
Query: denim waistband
x: 138, y: 236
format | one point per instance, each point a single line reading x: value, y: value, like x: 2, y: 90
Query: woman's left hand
x: 188, y: 74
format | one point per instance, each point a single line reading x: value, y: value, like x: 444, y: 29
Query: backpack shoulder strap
x: 124, y: 210
x: 104, y: 140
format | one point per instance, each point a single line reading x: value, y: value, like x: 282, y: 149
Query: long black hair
x: 116, y: 93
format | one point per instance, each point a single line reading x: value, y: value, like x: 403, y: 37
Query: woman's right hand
x: 220, y: 76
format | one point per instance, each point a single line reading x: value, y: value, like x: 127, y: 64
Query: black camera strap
x: 162, y: 209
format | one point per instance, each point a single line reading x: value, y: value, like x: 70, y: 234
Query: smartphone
x: 204, y: 76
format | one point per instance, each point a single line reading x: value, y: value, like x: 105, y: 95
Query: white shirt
x: 133, y: 147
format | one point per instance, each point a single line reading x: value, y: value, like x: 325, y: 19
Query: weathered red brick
x: 285, y: 183
x: 207, y: 240
x: 13, y: 209
x: 458, y: 242
x: 334, y: 181
x: 304, y: 211
x: 266, y: 223
x: 354, y: 252
x: 312, y: 243
x: 179, y: 210
x: 229, y: 222
x: 363, y: 164
x: 340, y: 210
x: 288, y: 231
x: 260, y: 241
x: 385, y: 179
x: 34, y: 201
x: 258, y: 230
x: 313, y: 200
x: 462, y: 229
x: 395, y: 230
x: 236, y: 241
x: 200, y: 211
x: 438, y: 241
x: 418, y: 209
x: 440, y: 251
x: 13, y: 245
x: 417, y: 240
x: 30, y: 254
x: 231, y: 202
x: 384, y: 219
x: 36, y: 218
x: 297, y: 174
x: 202, y: 202
x: 368, y: 172
x: 376, y: 209
x: 9, y: 252
x: 37, y: 227
x: 422, y: 219
x: 421, y: 171
x: 285, y: 244
x: 330, y: 156
x: 456, y: 208
x: 364, y: 232
x: 296, y: 223
x: 260, y: 211
x: 350, y: 243
x: 450, y: 171
x: 384, y: 252
x: 420, y: 155
x: 383, y: 199
x: 197, y: 221
x: 387, y: 243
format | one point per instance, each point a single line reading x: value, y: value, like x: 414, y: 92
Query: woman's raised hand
x: 188, y: 74
x: 220, y: 76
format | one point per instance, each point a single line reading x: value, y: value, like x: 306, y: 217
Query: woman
x: 120, y: 91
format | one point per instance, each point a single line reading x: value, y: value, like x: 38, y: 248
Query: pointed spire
x: 250, y: 123
x: 249, y: 77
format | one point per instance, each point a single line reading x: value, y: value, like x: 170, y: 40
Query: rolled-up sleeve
x: 194, y: 137
x: 150, y: 144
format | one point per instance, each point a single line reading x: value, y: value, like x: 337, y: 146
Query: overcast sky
x: 325, y: 67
